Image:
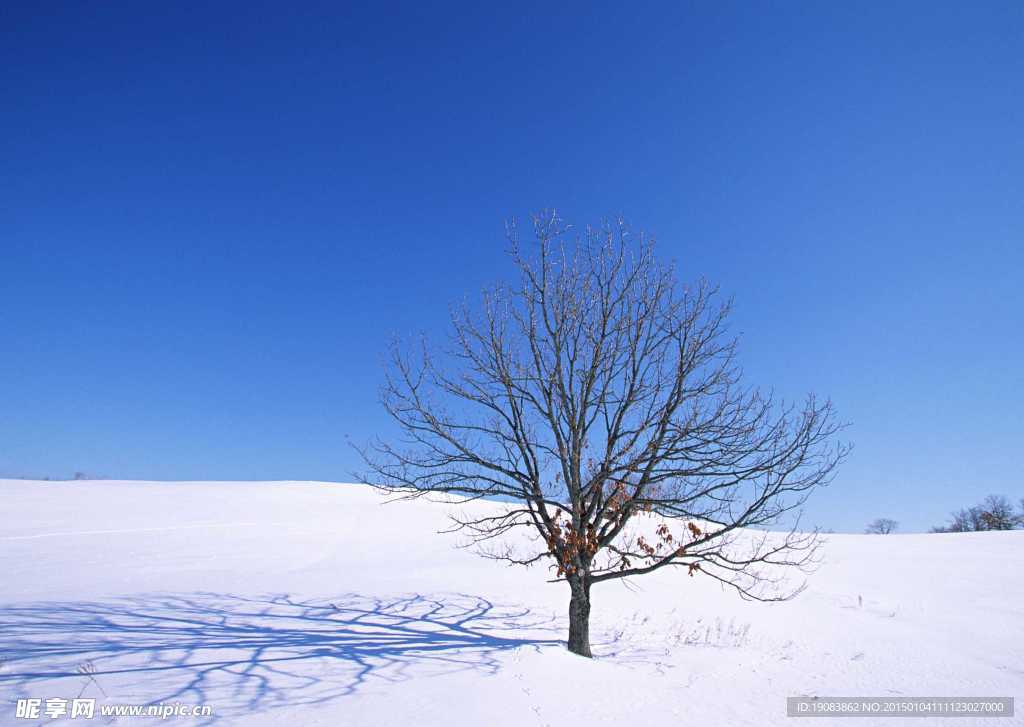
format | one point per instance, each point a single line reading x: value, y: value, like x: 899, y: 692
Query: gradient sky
x: 212, y: 219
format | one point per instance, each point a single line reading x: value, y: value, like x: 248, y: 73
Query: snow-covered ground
x: 316, y: 604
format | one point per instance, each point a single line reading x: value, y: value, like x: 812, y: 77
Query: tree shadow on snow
x: 242, y: 655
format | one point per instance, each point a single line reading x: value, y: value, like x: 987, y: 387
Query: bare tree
x: 966, y: 520
x: 994, y: 513
x: 594, y: 391
x: 881, y: 526
x: 997, y: 513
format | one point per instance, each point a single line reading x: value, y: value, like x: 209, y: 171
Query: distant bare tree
x: 997, y: 513
x: 592, y: 392
x: 881, y: 526
x: 994, y: 513
x: 966, y: 520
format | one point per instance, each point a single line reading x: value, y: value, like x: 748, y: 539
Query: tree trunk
x: 579, y: 617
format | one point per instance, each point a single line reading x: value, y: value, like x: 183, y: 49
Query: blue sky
x: 212, y: 220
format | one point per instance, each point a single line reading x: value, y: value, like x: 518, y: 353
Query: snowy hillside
x: 316, y: 604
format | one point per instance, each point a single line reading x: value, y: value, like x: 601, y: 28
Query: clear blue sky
x: 212, y: 219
